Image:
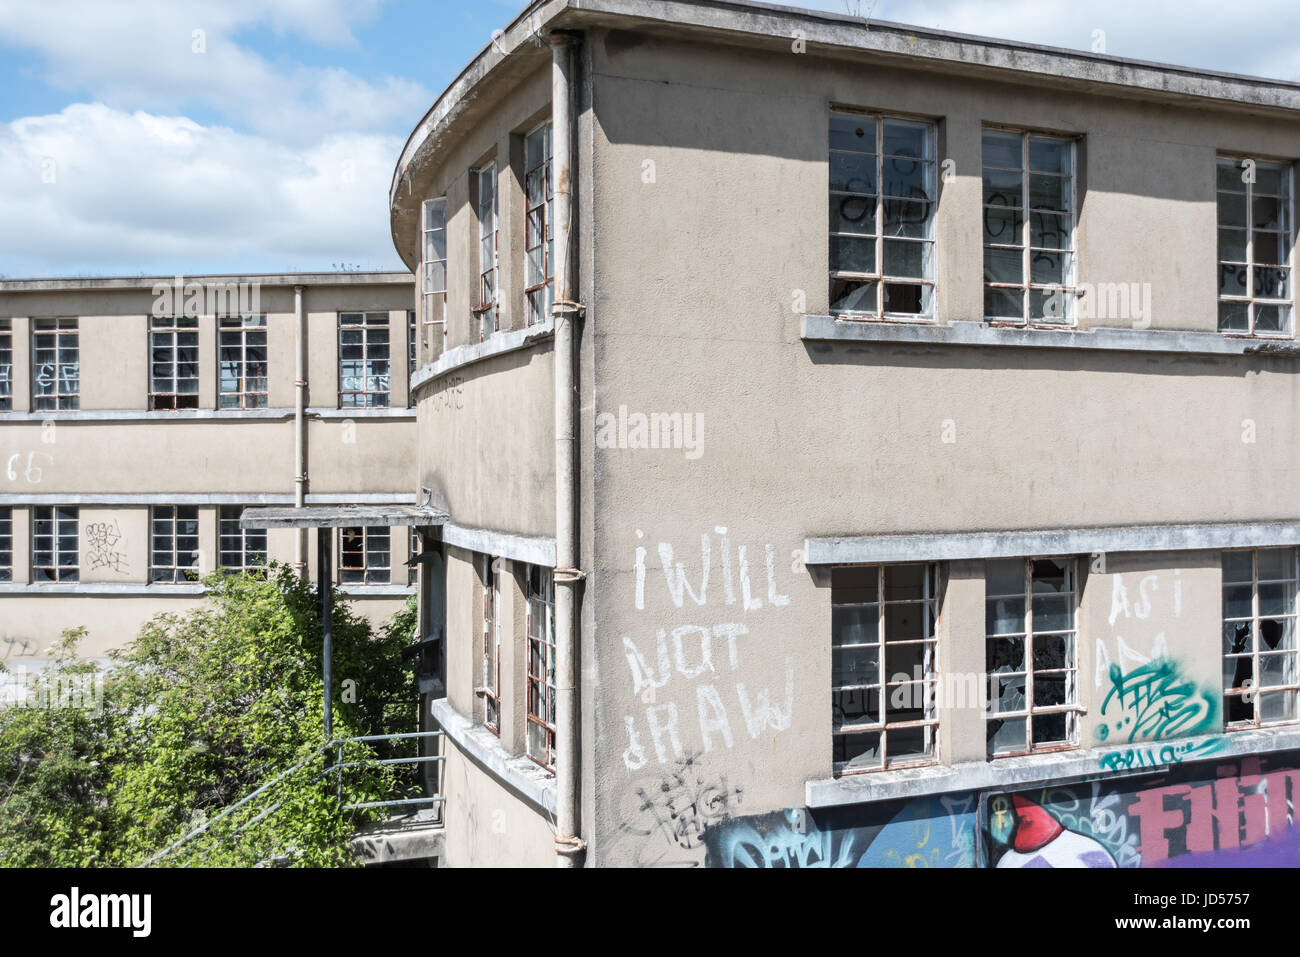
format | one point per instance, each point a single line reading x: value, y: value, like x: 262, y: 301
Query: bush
x: 201, y: 710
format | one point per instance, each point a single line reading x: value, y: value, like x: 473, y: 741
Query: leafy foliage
x: 200, y: 711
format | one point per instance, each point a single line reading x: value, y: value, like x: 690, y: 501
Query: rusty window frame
x: 365, y: 361
x: 6, y: 543
x: 847, y: 655
x: 539, y: 239
x: 1033, y: 714
x: 489, y: 225
x: 241, y: 375
x: 239, y: 549
x: 1030, y: 226
x: 413, y: 549
x: 365, y: 555
x: 412, y: 354
x: 539, y: 736
x: 173, y: 362
x: 849, y: 205
x: 56, y: 365
x: 490, y: 578
x: 1285, y: 233
x: 56, y: 551
x: 1250, y: 692
x: 173, y: 544
x: 6, y: 365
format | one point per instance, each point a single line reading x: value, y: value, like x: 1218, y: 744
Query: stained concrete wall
x: 115, y: 449
x: 696, y: 270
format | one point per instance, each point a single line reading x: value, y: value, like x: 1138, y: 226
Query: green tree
x: 201, y: 710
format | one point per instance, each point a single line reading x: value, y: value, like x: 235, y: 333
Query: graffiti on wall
x: 1155, y: 702
x: 1237, y: 813
x: 663, y: 820
x: 102, y: 551
x: 687, y: 677
x: 926, y: 832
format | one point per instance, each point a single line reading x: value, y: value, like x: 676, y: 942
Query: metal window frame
x: 61, y: 329
x: 934, y: 586
x: 173, y: 572
x: 6, y: 543
x: 245, y: 537
x: 239, y: 327
x: 1288, y: 171
x: 434, y: 295
x: 1027, y: 288
x: 366, y: 570
x: 51, y: 515
x: 412, y: 352
x: 490, y: 577
x: 1255, y: 688
x: 533, y: 314
x: 168, y: 337
x: 878, y: 237
x: 366, y: 326
x: 486, y: 308
x: 540, y: 713
x: 6, y: 365
x: 1070, y: 708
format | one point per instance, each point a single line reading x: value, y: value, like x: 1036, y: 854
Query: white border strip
x: 518, y: 548
x: 966, y: 333
x: 190, y: 415
x: 517, y: 773
x: 1079, y: 541
x: 498, y: 344
x: 206, y: 498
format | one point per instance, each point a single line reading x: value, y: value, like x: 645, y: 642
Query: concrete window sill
x: 521, y: 775
x: 1035, y: 770
x: 829, y: 329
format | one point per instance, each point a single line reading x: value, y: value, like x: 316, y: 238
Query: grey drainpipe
x: 568, y: 846
x: 300, y: 430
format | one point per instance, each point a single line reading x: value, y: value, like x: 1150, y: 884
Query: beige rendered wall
x: 695, y: 275
x: 493, y: 828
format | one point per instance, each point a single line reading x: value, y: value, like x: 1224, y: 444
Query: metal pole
x: 300, y: 429
x: 567, y: 575
x: 324, y: 577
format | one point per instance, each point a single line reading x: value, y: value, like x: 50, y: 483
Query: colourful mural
x: 1231, y: 813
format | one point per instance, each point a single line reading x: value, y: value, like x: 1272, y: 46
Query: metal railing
x: 334, y: 747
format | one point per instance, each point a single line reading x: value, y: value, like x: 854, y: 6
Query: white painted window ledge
x: 533, y: 782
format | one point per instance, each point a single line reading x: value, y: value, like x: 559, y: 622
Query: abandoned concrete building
x: 855, y: 445
x: 140, y: 416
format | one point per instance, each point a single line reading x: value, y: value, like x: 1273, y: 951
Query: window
x: 241, y: 345
x: 540, y: 737
x: 56, y: 368
x: 1260, y: 680
x: 1028, y: 259
x: 365, y: 556
x: 239, y: 549
x: 486, y: 178
x: 174, y: 552
x: 882, y: 203
x: 435, y: 265
x: 539, y: 241
x: 412, y: 348
x: 55, y: 555
x: 363, y: 360
x: 414, y: 549
x: 6, y: 544
x: 1031, y: 654
x: 883, y: 667
x: 1255, y: 233
x: 174, y: 357
x: 6, y: 366
x: 490, y: 580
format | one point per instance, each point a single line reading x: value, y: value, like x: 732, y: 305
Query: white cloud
x: 142, y: 55
x: 132, y: 191
x: 1261, y: 38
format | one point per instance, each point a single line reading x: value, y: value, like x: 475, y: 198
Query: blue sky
x: 124, y: 150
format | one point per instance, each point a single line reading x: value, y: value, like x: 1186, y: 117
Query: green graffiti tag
x: 1153, y: 702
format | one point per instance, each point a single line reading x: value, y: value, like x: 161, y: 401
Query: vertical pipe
x: 324, y: 580
x: 300, y: 429
x: 567, y: 843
